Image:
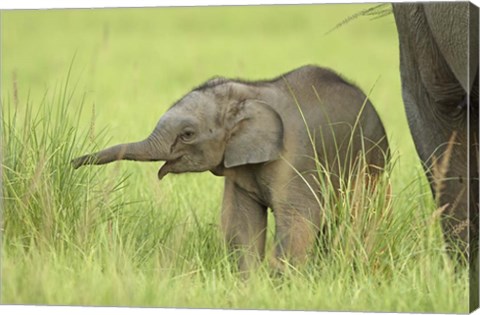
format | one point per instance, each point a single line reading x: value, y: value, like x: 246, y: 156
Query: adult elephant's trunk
x: 136, y: 151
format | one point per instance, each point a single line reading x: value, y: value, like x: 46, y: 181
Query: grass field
x: 73, y: 81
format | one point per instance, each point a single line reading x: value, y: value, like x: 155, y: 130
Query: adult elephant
x: 439, y: 74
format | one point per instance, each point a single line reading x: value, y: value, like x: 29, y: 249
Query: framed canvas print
x: 319, y: 157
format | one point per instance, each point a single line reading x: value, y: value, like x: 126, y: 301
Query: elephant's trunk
x: 136, y: 151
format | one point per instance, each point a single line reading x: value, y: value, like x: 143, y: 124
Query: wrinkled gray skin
x: 439, y: 72
x: 250, y: 132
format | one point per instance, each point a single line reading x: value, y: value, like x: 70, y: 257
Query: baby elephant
x: 274, y: 141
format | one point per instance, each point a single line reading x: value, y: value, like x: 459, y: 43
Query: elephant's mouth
x: 167, y: 167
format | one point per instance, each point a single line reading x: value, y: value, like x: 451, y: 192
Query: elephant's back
x: 321, y: 91
x: 341, y: 120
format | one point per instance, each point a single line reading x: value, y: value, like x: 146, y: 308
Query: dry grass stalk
x: 15, y: 89
x: 437, y: 213
x: 459, y: 227
x: 440, y: 168
x: 91, y: 131
x: 36, y: 179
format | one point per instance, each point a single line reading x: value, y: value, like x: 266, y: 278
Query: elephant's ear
x: 256, y: 134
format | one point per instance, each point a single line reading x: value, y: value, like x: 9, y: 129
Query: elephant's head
x: 221, y: 124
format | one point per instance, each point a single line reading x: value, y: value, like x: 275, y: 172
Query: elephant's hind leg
x: 297, y: 224
x: 295, y: 236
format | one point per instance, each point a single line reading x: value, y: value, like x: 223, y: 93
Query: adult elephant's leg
x: 244, y: 224
x: 439, y: 112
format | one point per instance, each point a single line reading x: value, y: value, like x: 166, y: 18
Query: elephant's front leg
x: 244, y: 224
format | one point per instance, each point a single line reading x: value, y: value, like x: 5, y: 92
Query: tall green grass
x: 114, y: 235
x: 86, y: 238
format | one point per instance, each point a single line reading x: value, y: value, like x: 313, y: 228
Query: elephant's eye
x: 187, y: 135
